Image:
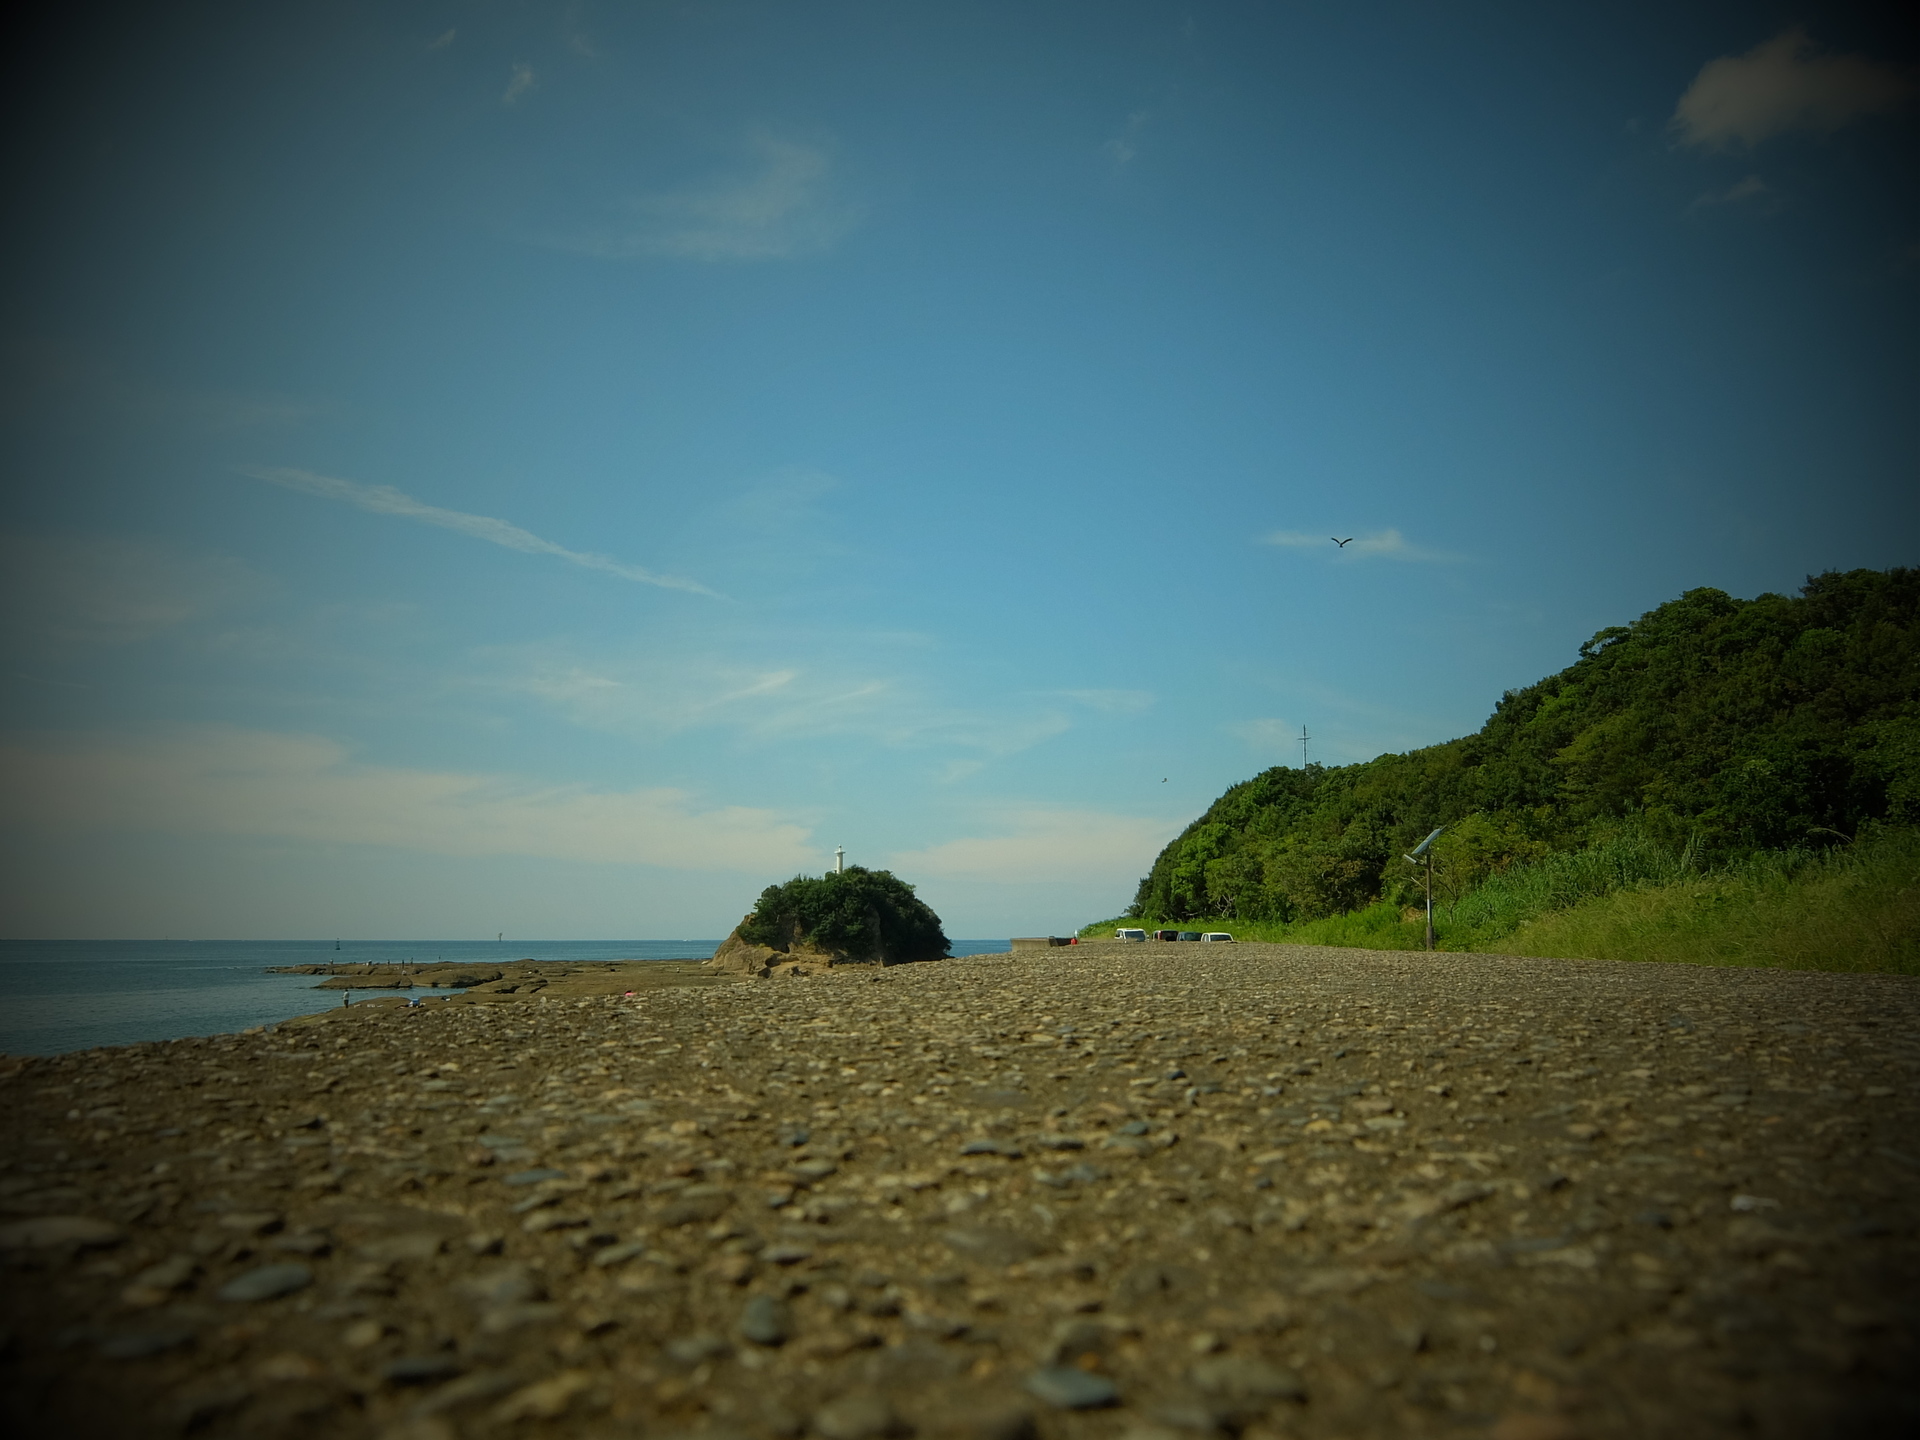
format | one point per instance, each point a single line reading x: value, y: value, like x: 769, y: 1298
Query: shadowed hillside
x: 1711, y: 727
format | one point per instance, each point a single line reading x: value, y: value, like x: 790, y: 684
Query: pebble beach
x: 1101, y: 1190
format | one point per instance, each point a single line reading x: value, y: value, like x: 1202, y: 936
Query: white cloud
x: 305, y: 787
x: 1112, y: 702
x: 779, y: 210
x: 1382, y: 544
x: 111, y: 591
x: 1786, y: 84
x: 518, y: 84
x: 385, y: 500
x: 443, y: 41
x: 1046, y: 846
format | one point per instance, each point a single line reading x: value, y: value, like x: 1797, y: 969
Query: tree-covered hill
x: 1726, y: 725
x: 867, y: 915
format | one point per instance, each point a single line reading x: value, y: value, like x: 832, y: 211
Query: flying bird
x: 1163, y: 779
x: 1341, y: 543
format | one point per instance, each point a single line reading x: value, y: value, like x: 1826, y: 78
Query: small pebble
x: 1072, y: 1389
x: 765, y: 1321
x: 267, y: 1282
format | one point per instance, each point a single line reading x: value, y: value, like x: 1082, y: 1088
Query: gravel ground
x: 1158, y: 1193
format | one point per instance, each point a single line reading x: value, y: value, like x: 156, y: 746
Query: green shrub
x: 867, y: 914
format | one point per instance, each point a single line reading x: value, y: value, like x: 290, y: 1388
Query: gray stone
x: 267, y: 1282
x: 51, y: 1232
x: 139, y: 1344
x: 697, y: 1349
x: 252, y: 1222
x: 1070, y: 1389
x: 862, y: 1416
x: 1247, y: 1379
x: 619, y: 1254
x: 692, y: 1209
x: 533, y: 1177
x: 765, y: 1321
x: 415, y: 1246
x: 169, y: 1274
x: 420, y: 1369
x: 501, y: 1285
x: 991, y: 1246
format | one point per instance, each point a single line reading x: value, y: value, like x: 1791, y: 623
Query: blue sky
x: 557, y: 469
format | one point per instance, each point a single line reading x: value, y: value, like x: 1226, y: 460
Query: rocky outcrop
x: 737, y: 956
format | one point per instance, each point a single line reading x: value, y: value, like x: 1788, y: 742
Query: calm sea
x: 58, y: 995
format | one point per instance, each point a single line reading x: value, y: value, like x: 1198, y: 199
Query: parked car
x: 1218, y: 935
x: 1129, y: 934
x: 1166, y: 935
x: 1189, y: 934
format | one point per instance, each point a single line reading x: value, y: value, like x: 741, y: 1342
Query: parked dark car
x: 1189, y: 934
x: 1166, y: 935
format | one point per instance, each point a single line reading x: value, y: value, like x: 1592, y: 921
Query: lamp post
x: 1423, y: 855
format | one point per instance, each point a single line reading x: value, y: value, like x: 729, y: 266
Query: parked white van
x: 1130, y: 935
x: 1217, y: 935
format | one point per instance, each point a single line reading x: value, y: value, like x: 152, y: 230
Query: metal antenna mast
x: 1304, y: 737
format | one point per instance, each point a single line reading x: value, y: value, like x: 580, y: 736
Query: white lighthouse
x: 839, y: 859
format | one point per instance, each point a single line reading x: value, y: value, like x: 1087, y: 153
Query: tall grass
x: 1857, y: 908
x: 1630, y: 898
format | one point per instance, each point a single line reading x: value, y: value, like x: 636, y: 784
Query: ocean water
x: 60, y: 995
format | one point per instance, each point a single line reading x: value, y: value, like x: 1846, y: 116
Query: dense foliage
x: 1712, y: 725
x: 867, y: 914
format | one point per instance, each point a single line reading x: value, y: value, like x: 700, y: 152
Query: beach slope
x: 1249, y: 1190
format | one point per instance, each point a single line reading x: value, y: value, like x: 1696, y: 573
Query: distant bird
x: 1341, y: 543
x: 1163, y: 779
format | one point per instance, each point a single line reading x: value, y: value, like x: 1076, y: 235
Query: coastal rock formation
x: 813, y: 923
x: 1088, y: 1192
x: 738, y: 956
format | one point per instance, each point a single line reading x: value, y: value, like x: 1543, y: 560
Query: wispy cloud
x: 385, y: 500
x: 518, y: 84
x: 1751, y: 188
x: 651, y: 696
x: 1112, y: 702
x: 1122, y: 148
x: 578, y: 41
x: 1381, y: 545
x: 306, y: 787
x: 107, y: 590
x: 1268, y: 735
x: 778, y: 210
x: 442, y: 41
x: 1040, y: 845
x: 1784, y: 85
